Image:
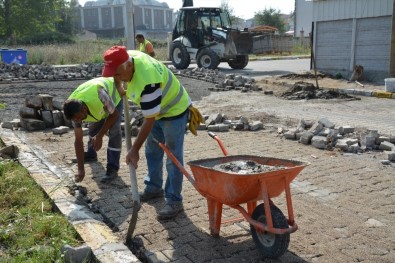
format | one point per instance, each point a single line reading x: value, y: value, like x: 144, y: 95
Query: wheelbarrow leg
x: 214, y: 216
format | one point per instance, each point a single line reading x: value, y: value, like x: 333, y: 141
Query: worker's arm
x: 97, y: 140
x: 113, y: 114
x: 79, y: 152
x: 150, y: 49
x: 133, y: 155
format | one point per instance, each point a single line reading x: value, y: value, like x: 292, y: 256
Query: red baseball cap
x: 113, y: 57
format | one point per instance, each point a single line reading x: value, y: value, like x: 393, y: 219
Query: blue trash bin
x: 17, y: 56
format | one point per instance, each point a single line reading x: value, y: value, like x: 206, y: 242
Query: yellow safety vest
x: 87, y: 92
x: 175, y: 99
x: 142, y: 46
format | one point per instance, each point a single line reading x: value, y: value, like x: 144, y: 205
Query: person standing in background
x: 144, y: 45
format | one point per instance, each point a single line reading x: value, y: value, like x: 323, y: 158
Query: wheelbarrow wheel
x: 269, y: 244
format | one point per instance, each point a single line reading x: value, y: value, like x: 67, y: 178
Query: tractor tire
x: 239, y: 62
x: 180, y: 56
x: 207, y: 58
x: 270, y: 245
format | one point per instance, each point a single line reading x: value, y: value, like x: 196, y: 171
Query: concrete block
x: 213, y: 127
x: 326, y: 123
x: 47, y: 101
x: 47, y: 117
x: 34, y: 102
x: 348, y: 129
x: 28, y: 113
x: 387, y: 146
x: 223, y: 127
x: 32, y: 124
x: 290, y: 135
x: 57, y: 105
x: 318, y: 142
x: 391, y: 156
x: 316, y: 128
x: 57, y: 118
x: 383, y: 139
x: 256, y: 125
x: 382, y: 94
x: 342, y: 144
x: 60, y: 130
x: 306, y: 137
x: 7, y: 125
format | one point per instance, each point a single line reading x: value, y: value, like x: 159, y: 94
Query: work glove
x: 195, y: 118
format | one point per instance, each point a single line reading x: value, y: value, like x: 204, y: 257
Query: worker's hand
x: 120, y: 87
x: 97, y: 142
x: 133, y: 157
x: 79, y: 176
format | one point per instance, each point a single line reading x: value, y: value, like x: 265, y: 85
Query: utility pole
x: 391, y: 70
x: 129, y: 27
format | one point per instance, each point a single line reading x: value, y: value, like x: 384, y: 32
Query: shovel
x: 133, y: 177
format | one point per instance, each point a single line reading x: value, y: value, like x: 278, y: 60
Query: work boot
x: 110, y: 175
x: 87, y: 158
x: 170, y: 211
x: 145, y: 196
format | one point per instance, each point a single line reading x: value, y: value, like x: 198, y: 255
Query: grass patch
x: 87, y: 51
x: 30, y: 229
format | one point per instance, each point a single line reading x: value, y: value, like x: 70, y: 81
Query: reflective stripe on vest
x: 176, y: 99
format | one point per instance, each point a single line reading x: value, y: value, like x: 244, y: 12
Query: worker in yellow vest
x: 98, y: 103
x: 166, y: 106
x: 144, y: 45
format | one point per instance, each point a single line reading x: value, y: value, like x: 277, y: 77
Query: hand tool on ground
x: 133, y: 177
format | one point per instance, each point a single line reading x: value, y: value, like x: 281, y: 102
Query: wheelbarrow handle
x: 175, y: 161
x: 215, y: 137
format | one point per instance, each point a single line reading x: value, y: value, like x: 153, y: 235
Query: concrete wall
x: 353, y: 32
x: 303, y: 17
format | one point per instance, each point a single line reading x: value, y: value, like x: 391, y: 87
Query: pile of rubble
x: 323, y: 134
x: 306, y: 91
x: 39, y: 113
x: 16, y: 72
x: 223, y: 82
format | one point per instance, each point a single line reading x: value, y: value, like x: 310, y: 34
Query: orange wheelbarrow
x: 270, y: 229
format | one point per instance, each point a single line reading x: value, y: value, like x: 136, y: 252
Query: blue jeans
x: 171, y: 133
x: 114, y: 140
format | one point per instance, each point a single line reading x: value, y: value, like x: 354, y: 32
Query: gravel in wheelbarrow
x: 237, y: 179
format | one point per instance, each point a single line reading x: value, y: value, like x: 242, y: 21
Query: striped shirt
x: 151, y: 97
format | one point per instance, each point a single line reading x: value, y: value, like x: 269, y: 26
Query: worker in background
x: 144, y: 45
x: 166, y: 106
x: 97, y: 102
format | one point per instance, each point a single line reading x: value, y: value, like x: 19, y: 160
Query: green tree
x: 233, y: 18
x: 26, y: 18
x: 270, y: 17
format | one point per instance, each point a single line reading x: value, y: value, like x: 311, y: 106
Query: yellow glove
x: 195, y: 118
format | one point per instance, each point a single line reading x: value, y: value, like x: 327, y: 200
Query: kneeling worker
x: 97, y: 102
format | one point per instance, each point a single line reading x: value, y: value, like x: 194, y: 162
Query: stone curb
x: 54, y: 180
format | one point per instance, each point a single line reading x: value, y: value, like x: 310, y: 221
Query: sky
x: 241, y: 8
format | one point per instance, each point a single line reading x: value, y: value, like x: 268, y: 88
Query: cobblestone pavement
x: 344, y: 204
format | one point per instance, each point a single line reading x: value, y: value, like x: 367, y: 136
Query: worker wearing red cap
x: 165, y: 106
